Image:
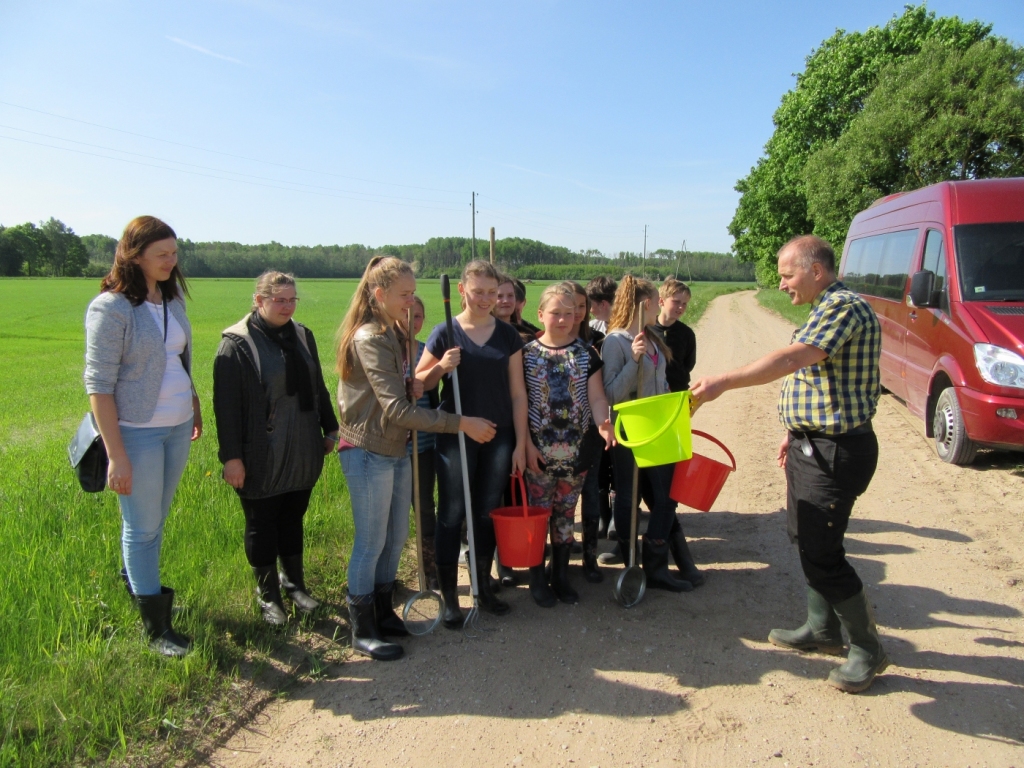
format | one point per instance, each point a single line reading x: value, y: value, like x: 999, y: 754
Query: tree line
x: 53, y: 249
x: 920, y: 100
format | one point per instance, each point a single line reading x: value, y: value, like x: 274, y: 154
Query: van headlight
x: 999, y: 366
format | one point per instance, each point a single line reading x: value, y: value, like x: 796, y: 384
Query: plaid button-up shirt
x: 841, y: 392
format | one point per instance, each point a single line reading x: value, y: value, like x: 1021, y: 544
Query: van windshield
x: 990, y: 258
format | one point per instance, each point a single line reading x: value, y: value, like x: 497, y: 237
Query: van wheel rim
x: 944, y: 428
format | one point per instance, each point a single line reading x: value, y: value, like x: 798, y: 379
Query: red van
x: 943, y: 267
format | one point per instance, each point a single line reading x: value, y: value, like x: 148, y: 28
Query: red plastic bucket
x: 698, y: 480
x: 521, y: 531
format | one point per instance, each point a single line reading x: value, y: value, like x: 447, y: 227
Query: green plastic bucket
x: 658, y: 428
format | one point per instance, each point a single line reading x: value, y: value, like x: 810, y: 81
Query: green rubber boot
x: 867, y: 657
x: 821, y: 632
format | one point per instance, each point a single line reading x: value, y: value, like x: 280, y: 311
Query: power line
x: 227, y: 154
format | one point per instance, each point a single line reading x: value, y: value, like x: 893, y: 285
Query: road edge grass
x: 778, y: 302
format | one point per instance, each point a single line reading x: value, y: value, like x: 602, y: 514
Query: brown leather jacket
x: 375, y: 410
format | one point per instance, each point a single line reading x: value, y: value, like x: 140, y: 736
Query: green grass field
x: 778, y: 302
x: 77, y: 684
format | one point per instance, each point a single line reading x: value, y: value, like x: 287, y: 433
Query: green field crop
x: 77, y: 684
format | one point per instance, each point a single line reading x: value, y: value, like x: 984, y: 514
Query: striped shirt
x: 841, y: 392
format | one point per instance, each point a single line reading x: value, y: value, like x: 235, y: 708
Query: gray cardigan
x: 125, y: 355
x: 620, y: 370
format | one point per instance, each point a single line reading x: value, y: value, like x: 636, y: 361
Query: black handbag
x: 88, y: 456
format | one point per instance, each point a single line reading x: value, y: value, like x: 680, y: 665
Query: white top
x: 174, y: 406
x: 599, y: 325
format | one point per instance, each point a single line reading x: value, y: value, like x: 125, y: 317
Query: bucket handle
x: 719, y: 443
x: 665, y: 427
x: 518, y: 476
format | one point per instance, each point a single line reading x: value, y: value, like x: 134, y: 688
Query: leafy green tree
x: 10, y: 256
x: 33, y: 247
x: 67, y: 255
x: 100, y: 248
x: 830, y: 92
x: 936, y: 116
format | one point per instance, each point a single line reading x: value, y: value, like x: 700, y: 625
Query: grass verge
x: 778, y: 302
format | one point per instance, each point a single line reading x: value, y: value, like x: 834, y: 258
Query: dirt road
x: 690, y: 679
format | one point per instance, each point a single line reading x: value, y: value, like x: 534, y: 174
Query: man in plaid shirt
x: 829, y: 394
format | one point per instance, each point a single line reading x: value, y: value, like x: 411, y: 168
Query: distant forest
x: 29, y: 250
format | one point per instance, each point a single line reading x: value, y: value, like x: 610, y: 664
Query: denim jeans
x: 158, y: 456
x: 380, y: 489
x: 655, y: 483
x: 489, y: 466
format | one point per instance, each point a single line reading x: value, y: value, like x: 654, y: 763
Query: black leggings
x: 273, y: 527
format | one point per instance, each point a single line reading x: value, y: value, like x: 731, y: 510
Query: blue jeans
x: 655, y: 483
x: 380, y: 489
x: 489, y: 466
x: 158, y: 456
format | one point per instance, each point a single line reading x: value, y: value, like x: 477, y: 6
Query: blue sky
x: 323, y: 122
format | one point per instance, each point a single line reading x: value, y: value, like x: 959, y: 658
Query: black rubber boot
x: 388, y: 622
x: 539, y: 589
x: 366, y: 637
x: 655, y: 565
x: 156, y: 618
x: 448, y: 578
x: 680, y: 550
x: 822, y: 631
x: 617, y: 556
x: 560, y: 554
x: 867, y: 657
x: 507, y: 576
x: 268, y: 595
x: 293, y: 580
x: 605, y: 512
x: 489, y: 602
x: 430, y: 564
x: 590, y: 570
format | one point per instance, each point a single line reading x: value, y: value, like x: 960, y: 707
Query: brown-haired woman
x: 138, y: 355
x: 376, y: 417
x: 626, y: 347
x: 275, y: 424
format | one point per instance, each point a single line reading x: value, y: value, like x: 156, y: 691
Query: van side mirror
x: 922, y: 289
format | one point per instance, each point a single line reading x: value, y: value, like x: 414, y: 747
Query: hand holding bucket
x: 521, y: 531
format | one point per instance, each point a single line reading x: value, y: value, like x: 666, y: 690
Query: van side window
x: 935, y: 260
x: 879, y: 265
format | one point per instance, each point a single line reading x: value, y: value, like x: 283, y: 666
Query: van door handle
x: 912, y: 315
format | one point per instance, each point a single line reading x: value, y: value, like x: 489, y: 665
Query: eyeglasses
x: 281, y: 301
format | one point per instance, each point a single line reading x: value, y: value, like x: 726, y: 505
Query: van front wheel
x: 951, y: 440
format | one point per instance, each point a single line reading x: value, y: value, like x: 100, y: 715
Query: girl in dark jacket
x: 275, y: 423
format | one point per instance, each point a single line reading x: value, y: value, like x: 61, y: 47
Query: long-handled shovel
x: 632, y: 582
x: 423, y: 611
x: 470, y: 625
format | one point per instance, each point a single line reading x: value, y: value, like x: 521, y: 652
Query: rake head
x: 471, y: 626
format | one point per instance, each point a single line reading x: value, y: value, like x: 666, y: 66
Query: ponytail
x: 630, y: 291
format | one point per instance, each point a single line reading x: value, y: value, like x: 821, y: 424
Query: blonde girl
x: 376, y: 416
x: 491, y: 378
x: 626, y: 347
x: 566, y: 404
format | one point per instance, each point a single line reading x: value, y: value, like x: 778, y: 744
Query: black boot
x: 539, y: 589
x: 388, y: 622
x: 655, y: 565
x: 867, y: 657
x: 430, y: 564
x: 366, y: 638
x: 590, y: 570
x: 822, y: 632
x: 156, y: 618
x: 681, y: 554
x: 489, y: 602
x: 448, y: 578
x: 560, y: 554
x: 507, y: 575
x: 618, y: 556
x: 605, y: 512
x: 268, y: 595
x: 292, y: 576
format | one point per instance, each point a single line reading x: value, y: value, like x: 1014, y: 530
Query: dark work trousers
x: 489, y: 466
x: 655, y: 483
x: 821, y: 491
x: 428, y: 511
x: 597, y: 482
x: 273, y: 527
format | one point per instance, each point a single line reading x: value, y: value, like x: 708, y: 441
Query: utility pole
x: 474, y: 224
x: 492, y: 245
x: 643, y: 264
